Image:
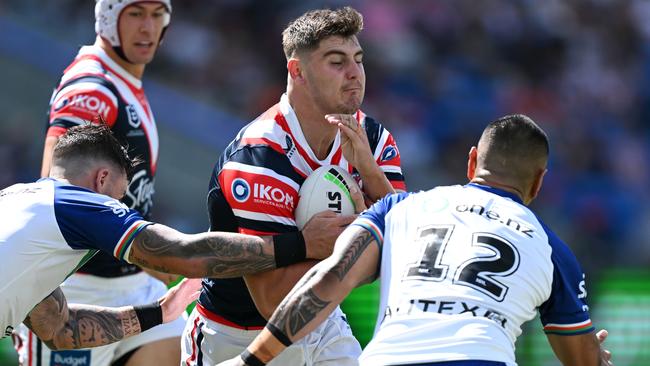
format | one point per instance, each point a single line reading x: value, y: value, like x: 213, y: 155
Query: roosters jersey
x: 50, y: 228
x: 254, y: 190
x: 95, y: 85
x: 462, y: 268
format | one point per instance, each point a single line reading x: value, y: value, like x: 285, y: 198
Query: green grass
x: 8, y: 356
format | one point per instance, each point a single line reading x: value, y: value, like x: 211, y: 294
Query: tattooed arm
x: 63, y: 326
x: 269, y: 288
x: 211, y: 254
x: 354, y: 262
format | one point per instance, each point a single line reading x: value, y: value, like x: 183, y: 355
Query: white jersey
x: 50, y: 228
x: 462, y: 268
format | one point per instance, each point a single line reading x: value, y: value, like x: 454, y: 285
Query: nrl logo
x: 132, y: 114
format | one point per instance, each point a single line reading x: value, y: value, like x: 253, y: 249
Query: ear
x: 295, y: 69
x: 101, y: 180
x: 537, y: 185
x: 471, y: 163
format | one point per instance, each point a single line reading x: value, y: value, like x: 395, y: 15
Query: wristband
x: 289, y: 248
x: 149, y: 315
x: 250, y: 359
x: 277, y: 333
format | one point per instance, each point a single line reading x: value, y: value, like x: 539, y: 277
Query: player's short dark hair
x: 516, y: 133
x: 513, y: 146
x: 93, y: 141
x: 306, y: 32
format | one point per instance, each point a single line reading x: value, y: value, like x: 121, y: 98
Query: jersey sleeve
x: 385, y: 152
x: 89, y: 220
x: 373, y: 219
x: 566, y: 311
x: 261, y: 188
x: 80, y: 101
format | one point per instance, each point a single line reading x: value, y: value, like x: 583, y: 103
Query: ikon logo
x: 274, y: 194
x: 88, y: 102
x: 241, y: 190
x: 262, y: 193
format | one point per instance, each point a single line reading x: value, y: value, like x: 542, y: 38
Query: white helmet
x: 107, y: 13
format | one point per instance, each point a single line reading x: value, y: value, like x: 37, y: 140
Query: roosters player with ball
x: 462, y: 268
x: 254, y: 190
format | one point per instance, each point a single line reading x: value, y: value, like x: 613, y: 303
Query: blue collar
x: 497, y: 191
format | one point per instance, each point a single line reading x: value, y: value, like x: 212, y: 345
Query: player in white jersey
x: 461, y: 268
x: 51, y: 227
x: 104, y: 80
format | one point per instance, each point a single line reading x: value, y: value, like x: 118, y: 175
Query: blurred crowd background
x: 437, y: 72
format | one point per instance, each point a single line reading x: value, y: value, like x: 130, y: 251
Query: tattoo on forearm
x: 299, y: 313
x: 79, y: 326
x: 219, y: 254
x: 130, y: 323
x: 90, y: 327
x: 302, y: 305
x: 352, y: 254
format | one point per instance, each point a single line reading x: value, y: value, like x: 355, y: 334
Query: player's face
x: 140, y: 26
x: 335, y: 76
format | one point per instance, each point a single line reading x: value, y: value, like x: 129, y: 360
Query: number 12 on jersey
x: 478, y: 271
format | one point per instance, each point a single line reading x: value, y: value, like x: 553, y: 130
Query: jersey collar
x: 106, y: 59
x: 296, y: 131
x: 497, y: 191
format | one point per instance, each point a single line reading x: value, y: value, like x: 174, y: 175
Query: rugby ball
x: 327, y: 188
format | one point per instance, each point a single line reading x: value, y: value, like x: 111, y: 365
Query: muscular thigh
x: 165, y: 352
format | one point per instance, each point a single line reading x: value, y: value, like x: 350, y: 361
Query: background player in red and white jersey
x: 461, y: 267
x: 104, y: 82
x: 254, y: 189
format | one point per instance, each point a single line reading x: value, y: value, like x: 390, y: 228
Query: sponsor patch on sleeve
x: 258, y: 193
x: 85, y: 103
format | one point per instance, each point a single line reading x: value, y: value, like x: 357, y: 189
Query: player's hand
x: 358, y: 199
x: 354, y: 141
x: 605, y: 355
x: 177, y: 298
x: 321, y: 231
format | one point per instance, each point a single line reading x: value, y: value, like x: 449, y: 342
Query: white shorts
x: 331, y: 344
x: 137, y: 289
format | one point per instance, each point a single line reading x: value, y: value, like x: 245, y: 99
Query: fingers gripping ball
x: 327, y: 188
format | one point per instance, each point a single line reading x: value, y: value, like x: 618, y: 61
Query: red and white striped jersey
x: 254, y: 190
x: 94, y: 85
